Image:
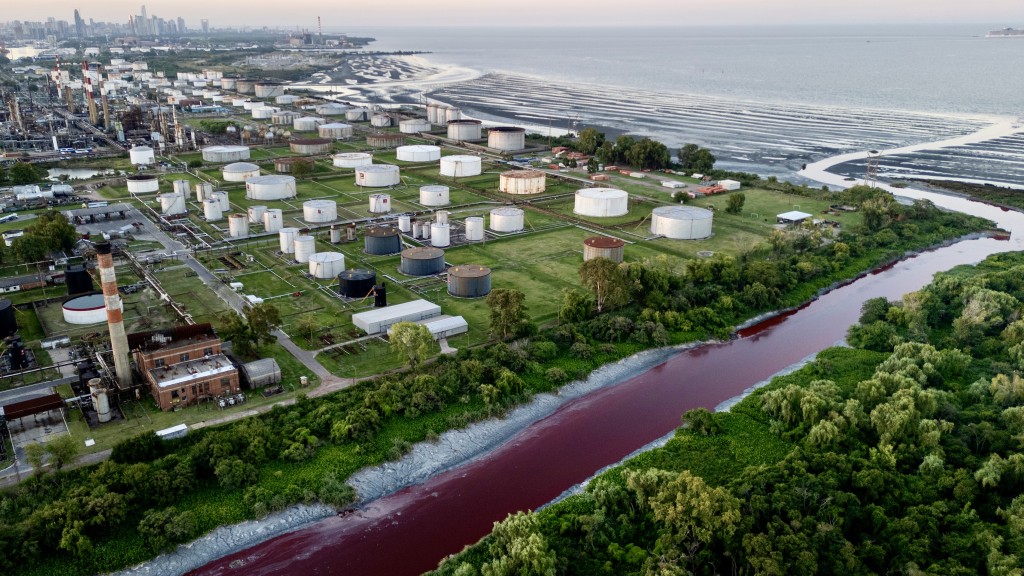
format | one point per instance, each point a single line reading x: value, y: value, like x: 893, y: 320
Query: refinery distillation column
x: 115, y: 321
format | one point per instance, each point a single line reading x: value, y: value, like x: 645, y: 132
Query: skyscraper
x: 181, y: 25
x: 79, y: 25
x: 206, y: 26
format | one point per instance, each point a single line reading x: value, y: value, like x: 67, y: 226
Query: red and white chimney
x: 115, y: 319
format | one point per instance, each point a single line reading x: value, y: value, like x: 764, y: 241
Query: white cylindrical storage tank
x: 305, y: 246
x: 413, y: 126
x: 211, y: 210
x: 171, y: 204
x: 250, y: 105
x: 87, y: 309
x: 326, y: 265
x: 507, y: 219
x: 335, y: 234
x: 405, y: 223
x: 141, y: 155
x: 380, y: 203
x: 222, y: 197
x: 461, y: 130
x: 441, y: 216
x: 223, y: 154
x: 256, y: 214
x: 434, y: 195
x: 217, y: 98
x: 283, y: 117
x: 506, y: 138
x: 461, y: 165
x: 238, y: 225
x: 306, y: 123
x: 331, y: 109
x: 681, y: 222
x: 335, y: 130
x: 286, y: 99
x: 310, y: 146
x: 142, y: 184
x: 240, y: 171
x: 522, y: 182
x: 286, y: 237
x: 264, y: 113
x: 377, y: 175
x: 273, y: 220
x: 432, y: 112
x: 418, y: 153
x: 238, y: 102
x: 273, y: 187
x: 352, y: 159
x: 425, y: 230
x: 440, y: 235
x: 268, y: 89
x: 319, y: 211
x: 452, y: 114
x: 474, y: 228
x: 417, y: 228
x: 601, y: 202
x: 182, y: 187
x: 380, y: 120
x: 203, y: 191
x: 228, y: 83
x: 357, y: 114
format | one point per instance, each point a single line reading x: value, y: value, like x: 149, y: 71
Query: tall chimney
x: 115, y: 321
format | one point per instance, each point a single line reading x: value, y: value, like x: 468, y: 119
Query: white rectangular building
x: 729, y: 184
x: 673, y: 184
x: 445, y: 326
x: 379, y: 320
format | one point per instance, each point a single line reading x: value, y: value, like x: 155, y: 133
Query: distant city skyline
x: 258, y: 13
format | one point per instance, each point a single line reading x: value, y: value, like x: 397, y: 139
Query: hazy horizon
x: 531, y: 13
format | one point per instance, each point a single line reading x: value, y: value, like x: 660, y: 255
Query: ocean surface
x: 765, y: 100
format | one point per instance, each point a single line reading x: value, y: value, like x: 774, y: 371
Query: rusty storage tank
x: 385, y: 140
x: 287, y: 165
x: 603, y: 247
x: 422, y: 261
x: 469, y: 281
x: 78, y: 280
x: 382, y: 240
x: 356, y: 283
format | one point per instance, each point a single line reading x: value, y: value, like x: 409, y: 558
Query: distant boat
x: 1006, y: 33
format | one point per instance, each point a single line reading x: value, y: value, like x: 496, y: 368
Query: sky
x: 339, y: 16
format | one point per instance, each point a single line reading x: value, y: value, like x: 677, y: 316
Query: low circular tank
x: 325, y: 265
x: 378, y: 175
x: 413, y: 126
x: 434, y: 195
x: 418, y: 153
x: 335, y: 130
x: 506, y: 138
x: 469, y: 281
x: 319, y: 211
x: 240, y: 171
x: 601, y: 202
x: 385, y: 140
x: 87, y: 309
x: 461, y: 130
x: 352, y: 159
x: 681, y: 222
x: 310, y: 146
x: 507, y: 219
x: 224, y: 154
x: 422, y: 261
x: 273, y: 187
x: 356, y: 283
x: 461, y: 165
x: 522, y: 182
x: 141, y: 155
x: 142, y: 184
x: 382, y: 240
x: 306, y: 123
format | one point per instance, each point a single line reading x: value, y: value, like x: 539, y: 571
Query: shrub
x: 556, y: 375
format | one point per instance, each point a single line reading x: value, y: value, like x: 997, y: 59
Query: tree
x: 508, y: 312
x: 734, y: 205
x: 30, y: 248
x: 63, y: 450
x: 693, y: 158
x: 252, y: 329
x: 590, y: 140
x: 411, y: 341
x: 54, y: 229
x: 575, y: 307
x: 35, y: 453
x: 519, y: 549
x: 302, y: 168
x: 23, y: 173
x: 607, y: 281
x: 592, y: 165
x: 307, y: 325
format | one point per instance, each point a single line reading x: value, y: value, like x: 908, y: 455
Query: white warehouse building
x: 378, y: 320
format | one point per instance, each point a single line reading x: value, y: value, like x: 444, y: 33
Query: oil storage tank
x: 440, y: 235
x: 380, y: 120
x: 469, y: 281
x: 262, y: 372
x: 240, y: 171
x: 413, y: 126
x: 507, y: 219
x: 601, y: 202
x: 264, y: 113
x: 506, y: 138
x: 222, y: 198
x: 461, y: 130
x: 211, y: 210
x: 8, y: 319
x: 305, y: 246
x: 286, y: 238
x: 603, y: 247
x: 326, y: 265
x: 681, y: 222
x: 319, y: 211
x: 382, y: 240
x: 268, y: 89
x: 283, y: 117
x: 422, y: 261
x: 172, y: 204
x: 356, y: 283
x: 461, y: 165
x: 385, y: 140
x: 87, y: 309
x: 380, y: 203
x: 377, y: 175
x: 287, y: 165
x: 78, y: 280
x: 310, y: 146
x: 141, y: 155
x: 474, y: 229
x: 418, y: 153
x: 238, y: 225
x: 357, y: 114
x: 522, y: 182
x: 335, y: 130
x: 224, y: 154
x: 306, y: 123
x: 203, y: 191
x: 182, y: 187
x: 256, y: 214
x: 434, y: 195
x: 273, y: 187
x: 352, y: 159
x: 332, y: 109
x: 273, y: 220
x: 142, y: 184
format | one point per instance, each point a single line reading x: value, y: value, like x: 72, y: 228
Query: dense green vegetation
x: 905, y: 457
x: 985, y: 192
x: 151, y: 495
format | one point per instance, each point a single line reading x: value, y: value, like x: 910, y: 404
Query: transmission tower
x: 871, y: 171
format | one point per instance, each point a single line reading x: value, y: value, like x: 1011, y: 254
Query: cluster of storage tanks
x: 441, y: 114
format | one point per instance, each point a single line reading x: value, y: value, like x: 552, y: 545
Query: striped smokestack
x: 115, y: 320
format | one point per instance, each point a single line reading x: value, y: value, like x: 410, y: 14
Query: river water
x: 409, y: 531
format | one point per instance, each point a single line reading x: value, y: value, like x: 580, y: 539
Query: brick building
x: 183, y: 365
